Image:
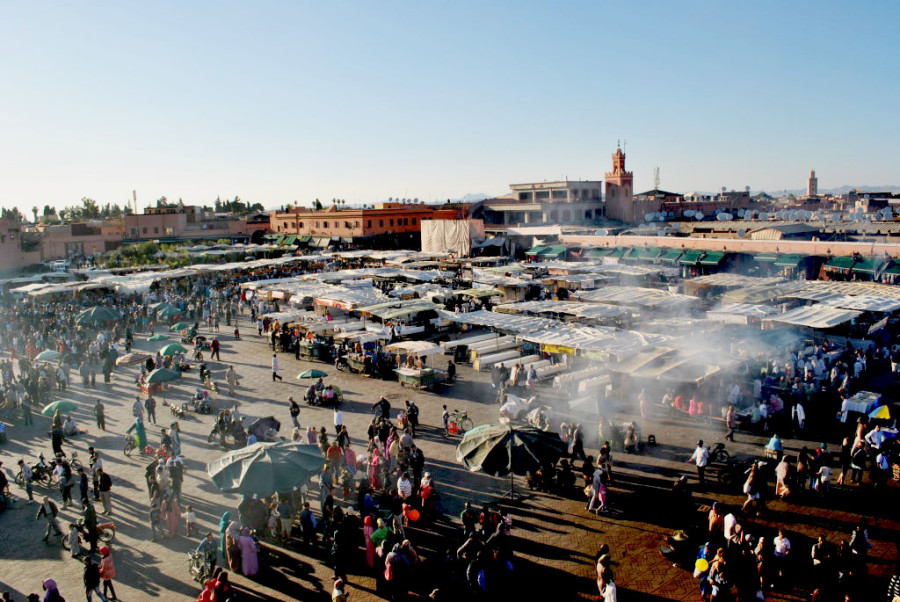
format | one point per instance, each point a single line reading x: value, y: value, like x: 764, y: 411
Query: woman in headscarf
x: 368, y: 529
x: 171, y: 514
x: 208, y: 593
x: 374, y: 469
x: 52, y: 594
x: 249, y: 560
x: 232, y: 535
x: 223, y: 527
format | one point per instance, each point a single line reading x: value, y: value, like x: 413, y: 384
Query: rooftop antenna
x: 134, y: 198
x: 656, y: 178
x: 624, y: 145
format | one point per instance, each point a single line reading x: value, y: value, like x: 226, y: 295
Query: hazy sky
x: 284, y: 101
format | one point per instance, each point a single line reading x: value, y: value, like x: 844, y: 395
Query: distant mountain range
x: 801, y: 191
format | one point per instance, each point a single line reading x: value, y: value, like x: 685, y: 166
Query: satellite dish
x: 741, y: 213
x: 718, y: 211
x: 742, y: 233
x: 699, y: 216
x: 778, y: 215
x: 722, y: 217
x: 660, y: 232
x: 602, y: 232
x: 728, y: 217
x: 690, y: 213
x: 648, y: 217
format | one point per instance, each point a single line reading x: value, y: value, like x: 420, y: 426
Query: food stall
x: 411, y: 357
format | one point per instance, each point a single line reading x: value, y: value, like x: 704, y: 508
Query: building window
x: 369, y: 224
x: 414, y: 221
x: 300, y: 224
x: 356, y: 224
x: 565, y: 215
x: 559, y: 194
x: 144, y: 230
x: 134, y: 231
x: 381, y: 223
x: 587, y: 214
x: 542, y: 195
x: 325, y: 224
x: 155, y: 230
x: 317, y: 224
x: 392, y: 222
x: 554, y: 216
x: 347, y: 225
x: 524, y: 196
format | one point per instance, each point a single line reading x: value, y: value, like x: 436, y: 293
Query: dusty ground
x: 555, y: 538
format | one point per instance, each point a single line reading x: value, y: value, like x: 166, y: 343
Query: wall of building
x: 12, y: 256
x: 799, y: 247
x: 185, y: 224
x: 390, y: 219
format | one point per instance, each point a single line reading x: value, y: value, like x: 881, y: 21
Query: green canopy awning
x: 280, y: 240
x: 554, y: 251
x: 691, y: 257
x: 536, y: 250
x: 840, y: 263
x: 868, y: 266
x: 304, y: 239
x: 670, y: 256
x: 645, y: 253
x: 712, y: 258
x: 765, y: 257
x: 270, y: 236
x: 788, y: 261
x: 893, y: 269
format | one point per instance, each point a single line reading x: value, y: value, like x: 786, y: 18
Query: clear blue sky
x: 284, y: 101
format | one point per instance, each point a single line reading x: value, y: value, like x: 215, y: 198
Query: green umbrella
x: 97, y: 315
x: 63, y: 405
x: 132, y: 359
x: 159, y: 337
x: 503, y: 450
x: 264, y: 468
x: 160, y: 306
x: 173, y: 348
x: 168, y: 312
x: 47, y: 356
x: 312, y: 374
x: 179, y: 326
x: 163, y: 375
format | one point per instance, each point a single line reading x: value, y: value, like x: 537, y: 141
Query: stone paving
x: 556, y: 540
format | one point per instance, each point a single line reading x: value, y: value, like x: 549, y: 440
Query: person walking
x: 99, y: 414
x: 137, y: 408
x: 48, y: 512
x: 231, y: 379
x: 27, y: 476
x: 104, y: 483
x: 295, y: 412
x: 730, y: 423
x: 150, y: 405
x: 107, y: 572
x: 700, y: 457
x: 275, y: 375
x: 92, y: 580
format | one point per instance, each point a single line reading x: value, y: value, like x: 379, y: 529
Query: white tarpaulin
x: 740, y: 313
x: 815, y: 316
x: 456, y: 236
x: 636, y: 296
x: 503, y: 322
x: 600, y: 340
x: 864, y: 303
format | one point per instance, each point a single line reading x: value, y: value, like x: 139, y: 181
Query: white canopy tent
x: 814, y: 316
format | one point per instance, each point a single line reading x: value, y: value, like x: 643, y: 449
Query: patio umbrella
x: 179, y: 326
x: 63, y: 405
x: 880, y: 413
x: 264, y: 468
x: 47, y: 356
x: 259, y: 426
x: 168, y: 312
x: 157, y: 307
x: 312, y: 374
x: 97, y: 315
x: 163, y: 375
x: 173, y: 348
x: 131, y: 359
x: 159, y: 337
x: 504, y: 450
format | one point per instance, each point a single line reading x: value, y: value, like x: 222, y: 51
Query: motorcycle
x: 41, y: 473
x: 106, y: 532
x: 341, y: 363
x: 210, y: 384
x: 225, y: 427
x: 200, y: 401
x: 199, y: 567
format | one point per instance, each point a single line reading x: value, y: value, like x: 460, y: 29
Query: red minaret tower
x: 620, y: 190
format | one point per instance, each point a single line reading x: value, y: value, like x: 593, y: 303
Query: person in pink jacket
x: 107, y: 572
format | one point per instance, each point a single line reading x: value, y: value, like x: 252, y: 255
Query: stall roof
x: 844, y: 263
x: 417, y: 348
x: 644, y: 253
x: 552, y: 251
x: 789, y: 261
x: 478, y: 293
x: 502, y: 322
x: 691, y: 257
x: 671, y: 364
x: 670, y: 256
x: 864, y: 303
x: 596, y: 340
x: 740, y: 313
x: 730, y: 280
x: 815, y: 316
x: 536, y: 250
x: 765, y: 257
x: 398, y: 308
x: 869, y: 265
x: 713, y: 258
x: 581, y: 310
x: 636, y: 296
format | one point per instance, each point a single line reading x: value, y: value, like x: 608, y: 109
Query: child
x: 190, y: 520
x: 74, y: 541
x: 445, y: 420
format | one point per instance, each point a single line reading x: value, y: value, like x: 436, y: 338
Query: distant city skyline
x: 278, y: 103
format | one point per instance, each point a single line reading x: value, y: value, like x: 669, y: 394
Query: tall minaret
x: 812, y: 185
x: 620, y: 190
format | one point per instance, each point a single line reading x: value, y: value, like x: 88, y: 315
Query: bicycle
x: 459, y: 422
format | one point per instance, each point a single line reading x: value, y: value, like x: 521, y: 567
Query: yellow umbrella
x: 882, y: 413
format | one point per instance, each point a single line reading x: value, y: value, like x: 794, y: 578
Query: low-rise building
x: 178, y: 222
